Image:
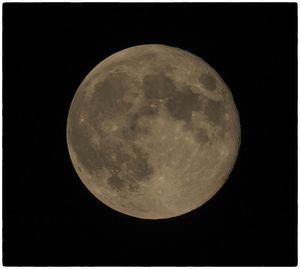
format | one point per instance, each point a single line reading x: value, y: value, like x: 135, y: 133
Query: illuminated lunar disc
x: 153, y: 131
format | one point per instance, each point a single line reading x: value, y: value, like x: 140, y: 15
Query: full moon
x: 153, y: 131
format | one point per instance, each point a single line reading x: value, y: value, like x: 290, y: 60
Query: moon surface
x: 153, y: 131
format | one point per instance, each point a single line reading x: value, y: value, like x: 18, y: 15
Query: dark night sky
x: 50, y: 218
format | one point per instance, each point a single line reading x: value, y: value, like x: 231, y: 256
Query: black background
x: 50, y: 218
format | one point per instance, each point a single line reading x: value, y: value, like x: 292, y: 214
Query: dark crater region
x: 157, y: 86
x: 108, y: 97
x: 208, y: 82
x: 181, y: 104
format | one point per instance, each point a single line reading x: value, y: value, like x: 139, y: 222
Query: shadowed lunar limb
x: 153, y: 132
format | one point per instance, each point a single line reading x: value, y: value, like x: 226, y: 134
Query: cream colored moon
x: 153, y: 131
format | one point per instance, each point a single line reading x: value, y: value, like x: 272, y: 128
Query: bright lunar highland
x: 153, y: 131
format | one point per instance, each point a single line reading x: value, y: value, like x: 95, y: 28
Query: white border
x: 133, y: 1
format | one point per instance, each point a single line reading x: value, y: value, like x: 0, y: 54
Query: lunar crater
x: 208, y: 81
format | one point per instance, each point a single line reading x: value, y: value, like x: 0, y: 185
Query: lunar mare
x: 153, y: 131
